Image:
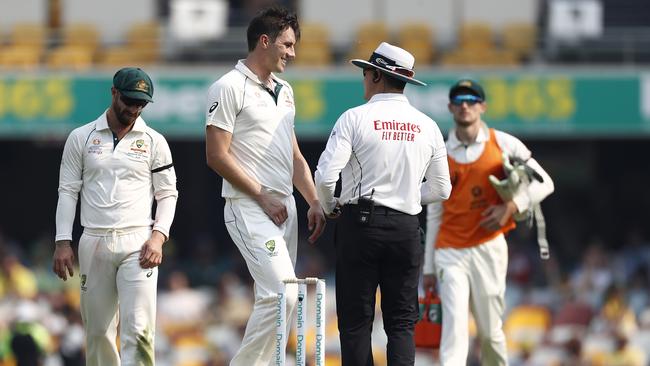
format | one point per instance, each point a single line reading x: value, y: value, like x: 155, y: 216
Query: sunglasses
x: 469, y: 99
x: 131, y: 102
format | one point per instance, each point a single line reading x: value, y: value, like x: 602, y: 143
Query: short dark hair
x: 271, y: 21
x: 394, y: 82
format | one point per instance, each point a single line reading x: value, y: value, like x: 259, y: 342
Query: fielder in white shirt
x: 250, y: 142
x: 119, y: 165
x: 383, y: 151
x: 466, y: 252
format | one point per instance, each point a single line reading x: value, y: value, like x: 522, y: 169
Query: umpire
x: 383, y: 149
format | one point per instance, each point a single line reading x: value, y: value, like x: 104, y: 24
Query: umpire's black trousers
x: 388, y: 253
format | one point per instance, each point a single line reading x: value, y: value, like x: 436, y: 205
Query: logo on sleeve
x: 213, y: 107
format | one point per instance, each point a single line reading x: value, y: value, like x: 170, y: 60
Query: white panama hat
x: 393, y: 61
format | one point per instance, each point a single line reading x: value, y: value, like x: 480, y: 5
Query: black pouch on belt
x: 366, y: 210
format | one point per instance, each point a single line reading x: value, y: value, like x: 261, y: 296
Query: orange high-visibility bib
x: 471, y: 194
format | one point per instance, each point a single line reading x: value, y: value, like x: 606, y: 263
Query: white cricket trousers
x: 473, y: 276
x: 112, y: 279
x: 270, y: 253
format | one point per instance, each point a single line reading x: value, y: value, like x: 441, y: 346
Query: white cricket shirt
x: 389, y: 146
x: 261, y: 127
x: 117, y: 183
x: 466, y: 154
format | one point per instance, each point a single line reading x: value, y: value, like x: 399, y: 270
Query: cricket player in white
x: 119, y: 165
x: 466, y: 251
x: 250, y: 142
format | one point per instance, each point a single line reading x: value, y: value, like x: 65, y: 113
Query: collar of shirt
x: 241, y: 67
x: 388, y: 96
x: 102, y: 124
x: 453, y: 142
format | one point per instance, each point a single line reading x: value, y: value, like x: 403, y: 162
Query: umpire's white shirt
x: 261, y: 127
x: 117, y: 183
x: 389, y: 146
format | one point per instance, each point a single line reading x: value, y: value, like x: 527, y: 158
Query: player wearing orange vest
x: 466, y: 253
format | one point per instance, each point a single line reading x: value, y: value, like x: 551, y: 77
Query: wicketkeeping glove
x: 518, y: 177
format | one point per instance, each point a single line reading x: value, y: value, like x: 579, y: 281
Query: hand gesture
x: 151, y: 252
x: 429, y: 282
x: 273, y: 208
x: 495, y: 216
x: 316, y: 221
x: 63, y: 259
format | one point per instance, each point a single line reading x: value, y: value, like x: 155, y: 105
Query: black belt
x: 379, y: 210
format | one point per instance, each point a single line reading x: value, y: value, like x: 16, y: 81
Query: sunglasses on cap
x: 469, y: 99
x: 130, y: 102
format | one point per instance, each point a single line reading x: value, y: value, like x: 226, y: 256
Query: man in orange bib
x: 466, y: 253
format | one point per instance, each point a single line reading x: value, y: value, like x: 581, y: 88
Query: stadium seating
x: 479, y: 57
x: 417, y: 38
x: 526, y: 326
x: 146, y: 39
x: 20, y: 57
x: 368, y: 37
x: 117, y: 56
x: 475, y: 36
x: 25, y: 48
x: 476, y: 46
x: 29, y: 35
x: 70, y: 57
x: 79, y: 47
x: 520, y: 38
x: 79, y: 44
x: 142, y: 46
x: 314, y: 46
x: 81, y: 35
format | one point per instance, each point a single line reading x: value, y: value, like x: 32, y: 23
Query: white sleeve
x: 165, y: 210
x: 434, y: 217
x: 333, y: 159
x: 437, y: 186
x: 70, y: 182
x: 536, y: 191
x: 223, y: 105
x: 163, y: 177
